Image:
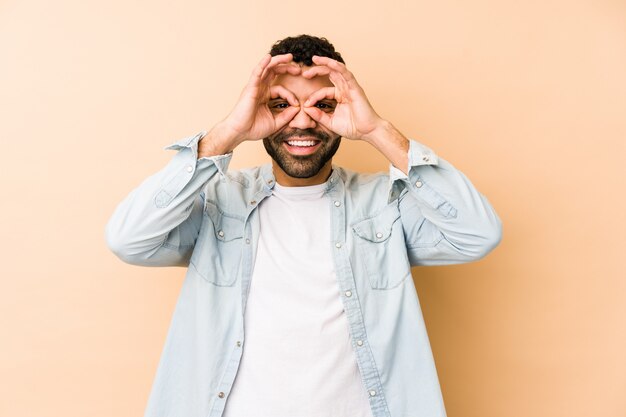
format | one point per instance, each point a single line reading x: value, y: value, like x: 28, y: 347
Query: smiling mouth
x: 302, y: 143
x: 302, y: 146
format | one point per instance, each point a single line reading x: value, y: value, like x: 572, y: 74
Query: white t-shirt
x: 297, y: 358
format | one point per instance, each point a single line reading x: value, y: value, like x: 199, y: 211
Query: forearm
x: 392, y: 144
x: 155, y: 224
x: 220, y: 140
x: 446, y: 219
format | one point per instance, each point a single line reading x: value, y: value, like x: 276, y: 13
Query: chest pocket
x: 381, y: 247
x: 218, y: 251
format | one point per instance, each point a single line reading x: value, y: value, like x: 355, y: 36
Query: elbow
x: 490, y: 238
x: 121, y: 246
x: 115, y: 243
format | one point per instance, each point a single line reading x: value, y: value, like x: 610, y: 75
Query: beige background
x: 527, y: 98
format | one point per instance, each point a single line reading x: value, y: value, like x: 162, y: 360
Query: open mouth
x: 302, y: 146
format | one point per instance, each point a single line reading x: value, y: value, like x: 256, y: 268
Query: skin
x: 286, y: 101
x: 295, y: 166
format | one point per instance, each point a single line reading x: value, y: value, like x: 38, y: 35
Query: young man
x: 299, y: 300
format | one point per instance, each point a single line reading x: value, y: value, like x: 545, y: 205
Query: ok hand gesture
x: 353, y: 117
x: 251, y: 118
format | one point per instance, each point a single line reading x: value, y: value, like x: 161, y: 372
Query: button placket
x: 349, y: 297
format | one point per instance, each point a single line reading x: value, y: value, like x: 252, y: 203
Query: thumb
x: 285, y: 116
x: 319, y: 116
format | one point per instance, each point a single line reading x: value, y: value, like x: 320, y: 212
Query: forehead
x: 300, y: 86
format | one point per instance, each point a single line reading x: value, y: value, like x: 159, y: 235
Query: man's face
x: 303, y: 147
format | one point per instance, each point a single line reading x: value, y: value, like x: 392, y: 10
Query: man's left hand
x: 354, y: 116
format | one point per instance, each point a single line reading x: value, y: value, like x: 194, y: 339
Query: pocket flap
x: 226, y: 227
x: 379, y: 227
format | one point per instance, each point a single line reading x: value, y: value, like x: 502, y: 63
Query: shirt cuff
x: 191, y: 142
x: 418, y: 154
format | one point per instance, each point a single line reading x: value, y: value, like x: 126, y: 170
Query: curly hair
x: 303, y: 47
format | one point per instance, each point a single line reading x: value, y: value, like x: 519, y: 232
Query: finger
x: 289, y: 68
x: 260, y: 67
x: 333, y: 64
x: 322, y: 93
x: 285, y: 116
x: 280, y: 91
x: 276, y: 60
x: 316, y: 71
x: 319, y: 116
x: 336, y: 77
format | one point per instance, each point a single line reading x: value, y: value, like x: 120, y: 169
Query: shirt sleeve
x: 158, y: 222
x: 446, y: 220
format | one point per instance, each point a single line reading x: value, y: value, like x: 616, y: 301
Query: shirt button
x: 418, y: 184
x: 425, y: 158
x: 220, y: 233
x: 221, y: 394
x: 348, y: 293
x: 359, y: 342
x: 189, y: 168
x: 337, y: 203
x: 253, y: 202
x: 247, y: 241
x: 238, y: 343
x: 337, y: 245
x: 270, y: 182
x: 379, y: 235
x: 372, y: 393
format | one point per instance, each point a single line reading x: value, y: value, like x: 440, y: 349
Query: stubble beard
x: 302, y: 166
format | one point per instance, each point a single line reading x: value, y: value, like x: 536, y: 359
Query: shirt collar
x: 267, y: 174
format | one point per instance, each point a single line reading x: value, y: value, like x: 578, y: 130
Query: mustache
x: 283, y: 136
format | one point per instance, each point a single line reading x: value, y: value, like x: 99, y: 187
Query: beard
x: 302, y: 166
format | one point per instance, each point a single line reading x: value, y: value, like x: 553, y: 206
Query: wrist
x: 219, y: 141
x: 382, y: 129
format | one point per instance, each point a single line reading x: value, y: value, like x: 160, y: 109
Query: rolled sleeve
x: 156, y: 223
x: 418, y: 154
x: 436, y: 198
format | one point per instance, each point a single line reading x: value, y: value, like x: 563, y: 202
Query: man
x: 298, y: 300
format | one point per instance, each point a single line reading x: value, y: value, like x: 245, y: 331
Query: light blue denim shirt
x: 194, y: 213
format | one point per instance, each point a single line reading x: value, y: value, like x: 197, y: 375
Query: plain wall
x: 528, y: 99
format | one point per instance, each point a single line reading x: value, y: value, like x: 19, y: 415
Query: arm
x: 158, y: 223
x: 445, y: 219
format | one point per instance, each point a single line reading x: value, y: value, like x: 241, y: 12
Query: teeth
x: 301, y: 142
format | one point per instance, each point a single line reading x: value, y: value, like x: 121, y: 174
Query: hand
x: 251, y: 118
x: 353, y: 116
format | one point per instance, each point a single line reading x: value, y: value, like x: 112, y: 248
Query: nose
x: 302, y: 120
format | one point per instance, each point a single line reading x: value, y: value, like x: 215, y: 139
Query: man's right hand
x: 252, y: 119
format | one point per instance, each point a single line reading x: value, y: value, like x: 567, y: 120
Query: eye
x: 278, y: 106
x: 324, y: 106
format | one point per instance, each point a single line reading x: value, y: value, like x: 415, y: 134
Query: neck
x: 286, y: 180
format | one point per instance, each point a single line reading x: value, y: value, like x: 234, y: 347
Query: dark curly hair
x: 303, y: 48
